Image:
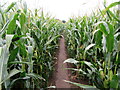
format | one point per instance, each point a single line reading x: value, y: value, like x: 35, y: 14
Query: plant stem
x: 116, y: 64
x: 109, y: 63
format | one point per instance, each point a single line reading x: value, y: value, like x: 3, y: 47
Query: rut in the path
x: 61, y: 72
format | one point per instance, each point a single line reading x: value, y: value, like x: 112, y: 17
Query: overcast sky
x: 63, y: 9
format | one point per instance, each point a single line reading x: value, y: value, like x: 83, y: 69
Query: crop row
x: 94, y: 47
x: 27, y: 46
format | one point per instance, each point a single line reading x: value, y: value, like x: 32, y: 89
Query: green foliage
x: 27, y: 46
x: 82, y: 86
x: 28, y: 42
x: 93, y: 41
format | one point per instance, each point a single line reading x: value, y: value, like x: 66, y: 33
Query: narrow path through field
x: 61, y: 72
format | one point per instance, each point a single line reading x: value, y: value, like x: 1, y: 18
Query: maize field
x: 29, y: 40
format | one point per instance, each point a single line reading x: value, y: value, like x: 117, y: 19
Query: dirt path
x: 61, y: 73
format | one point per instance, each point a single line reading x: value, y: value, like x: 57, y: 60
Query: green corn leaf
x: 19, y: 62
x: 110, y: 42
x: 48, y: 42
x: 51, y: 87
x: 113, y: 15
x: 102, y: 76
x: 81, y: 85
x: 78, y: 70
x: 4, y: 60
x: 9, y: 38
x: 110, y: 75
x: 22, y: 20
x: 110, y: 6
x: 3, y: 19
x: 17, y: 37
x: 10, y: 7
x: 35, y: 76
x: 30, y: 54
x: 88, y: 63
x: 4, y: 27
x: 110, y: 39
x: 12, y: 73
x: 104, y: 43
x: 36, y: 39
x: 13, y: 54
x: 22, y: 49
x: 30, y: 50
x: 25, y: 7
x: 117, y: 34
x: 103, y: 27
x: 89, y: 46
x: 114, y: 82
x: 98, y: 38
x: 12, y: 25
x: 70, y: 60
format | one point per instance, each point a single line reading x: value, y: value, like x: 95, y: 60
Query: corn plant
x: 29, y: 46
x: 94, y: 43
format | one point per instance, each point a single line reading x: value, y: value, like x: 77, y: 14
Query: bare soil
x: 60, y: 73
